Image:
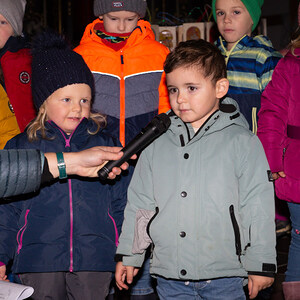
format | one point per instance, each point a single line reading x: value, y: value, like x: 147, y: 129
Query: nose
x: 121, y: 25
x: 227, y: 19
x: 76, y: 106
x: 180, y: 98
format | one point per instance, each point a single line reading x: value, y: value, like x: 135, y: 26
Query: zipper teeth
x: 71, y: 225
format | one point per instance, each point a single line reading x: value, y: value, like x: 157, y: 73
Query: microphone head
x: 161, y: 123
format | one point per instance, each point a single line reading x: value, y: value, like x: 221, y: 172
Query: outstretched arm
x: 88, y: 162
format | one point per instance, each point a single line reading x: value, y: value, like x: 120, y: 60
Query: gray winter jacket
x: 20, y: 171
x: 204, y: 200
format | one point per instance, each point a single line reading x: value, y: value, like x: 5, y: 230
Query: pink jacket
x: 279, y: 125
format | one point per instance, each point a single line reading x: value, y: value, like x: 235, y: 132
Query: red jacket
x: 130, y: 82
x: 279, y: 125
x: 16, y: 65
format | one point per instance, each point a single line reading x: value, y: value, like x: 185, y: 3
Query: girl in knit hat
x: 62, y: 239
x: 17, y: 108
x: 127, y: 63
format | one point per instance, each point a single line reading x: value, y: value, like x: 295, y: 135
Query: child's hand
x: 3, y: 273
x: 124, y: 273
x: 278, y: 174
x: 257, y: 283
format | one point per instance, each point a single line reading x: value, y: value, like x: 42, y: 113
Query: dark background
x: 70, y: 17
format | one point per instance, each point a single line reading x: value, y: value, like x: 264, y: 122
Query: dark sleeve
x: 20, y: 171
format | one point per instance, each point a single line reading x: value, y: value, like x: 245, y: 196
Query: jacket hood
x: 141, y: 32
x: 227, y: 115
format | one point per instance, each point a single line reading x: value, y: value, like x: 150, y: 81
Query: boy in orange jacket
x: 127, y: 63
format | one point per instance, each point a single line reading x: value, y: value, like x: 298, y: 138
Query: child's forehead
x: 229, y: 3
x: 122, y: 13
x: 185, y: 72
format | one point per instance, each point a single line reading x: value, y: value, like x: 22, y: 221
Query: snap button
x: 183, y: 272
x: 183, y: 194
x: 186, y: 155
x: 182, y: 234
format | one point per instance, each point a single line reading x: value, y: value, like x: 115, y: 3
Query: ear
x: 222, y: 87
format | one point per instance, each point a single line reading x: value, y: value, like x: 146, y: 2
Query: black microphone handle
x: 134, y: 146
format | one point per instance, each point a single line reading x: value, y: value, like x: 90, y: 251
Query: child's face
x: 68, y: 105
x: 120, y: 21
x: 6, y: 31
x: 194, y: 97
x: 233, y: 20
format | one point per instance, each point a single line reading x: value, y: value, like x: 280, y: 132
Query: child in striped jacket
x: 250, y: 60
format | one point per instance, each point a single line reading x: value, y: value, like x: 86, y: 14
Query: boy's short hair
x: 253, y: 7
x: 200, y: 54
x: 13, y: 11
x: 102, y: 7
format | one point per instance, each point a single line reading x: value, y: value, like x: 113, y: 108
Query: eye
x: 172, y: 90
x: 66, y: 100
x: 192, y: 88
x: 3, y: 23
x: 219, y: 13
x: 85, y: 101
x: 236, y: 12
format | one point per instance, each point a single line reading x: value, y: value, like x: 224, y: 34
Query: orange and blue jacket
x: 130, y: 83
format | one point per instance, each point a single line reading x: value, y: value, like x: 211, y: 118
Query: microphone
x: 154, y: 129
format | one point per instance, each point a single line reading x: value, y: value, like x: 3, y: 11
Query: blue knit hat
x: 54, y: 66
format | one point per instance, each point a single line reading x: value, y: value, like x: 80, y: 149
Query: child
x: 15, y: 69
x: 63, y: 238
x: 200, y: 192
x: 278, y: 129
x: 250, y: 64
x: 250, y: 60
x: 127, y: 64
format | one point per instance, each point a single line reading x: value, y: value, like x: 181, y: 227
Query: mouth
x: 76, y: 119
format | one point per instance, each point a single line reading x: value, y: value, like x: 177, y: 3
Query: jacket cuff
x: 134, y: 260
x: 266, y: 274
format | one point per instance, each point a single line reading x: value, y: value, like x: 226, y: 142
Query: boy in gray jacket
x: 200, y: 192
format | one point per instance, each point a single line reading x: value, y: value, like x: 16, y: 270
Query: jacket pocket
x: 291, y: 159
x: 21, y: 233
x: 141, y: 239
x: 237, y: 234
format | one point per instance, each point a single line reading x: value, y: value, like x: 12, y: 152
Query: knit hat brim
x: 102, y: 7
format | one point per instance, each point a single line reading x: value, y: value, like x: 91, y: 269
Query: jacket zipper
x: 67, y: 145
x: 122, y: 102
x: 116, y: 229
x: 237, y: 235
x: 21, y: 233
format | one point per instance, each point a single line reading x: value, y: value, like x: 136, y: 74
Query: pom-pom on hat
x: 102, y: 7
x: 253, y: 7
x: 54, y: 66
x: 13, y: 11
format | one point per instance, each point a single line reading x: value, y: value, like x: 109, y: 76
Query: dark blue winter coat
x: 70, y: 225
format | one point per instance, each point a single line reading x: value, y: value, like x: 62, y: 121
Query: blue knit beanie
x: 54, y: 66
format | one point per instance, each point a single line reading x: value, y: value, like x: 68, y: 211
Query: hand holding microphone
x: 154, y: 129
